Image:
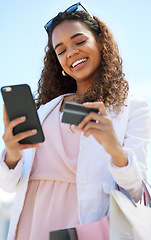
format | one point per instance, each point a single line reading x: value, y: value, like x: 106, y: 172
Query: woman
x: 67, y: 180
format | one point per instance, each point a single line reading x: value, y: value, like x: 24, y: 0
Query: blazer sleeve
x: 137, y: 137
x: 9, y: 178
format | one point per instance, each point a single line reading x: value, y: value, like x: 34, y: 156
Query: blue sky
x: 23, y: 38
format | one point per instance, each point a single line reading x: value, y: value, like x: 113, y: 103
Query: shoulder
x: 136, y: 99
x: 137, y: 104
x: 136, y: 110
x: 139, y: 113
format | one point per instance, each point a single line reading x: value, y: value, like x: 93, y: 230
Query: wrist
x: 119, y: 158
x: 12, y: 159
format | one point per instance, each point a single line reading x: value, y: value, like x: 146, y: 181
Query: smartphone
x: 19, y: 102
x: 64, y: 234
x: 74, y: 113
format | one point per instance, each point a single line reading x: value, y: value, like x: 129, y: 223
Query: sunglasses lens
x: 47, y: 25
x: 72, y: 8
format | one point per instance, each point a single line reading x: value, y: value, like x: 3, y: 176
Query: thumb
x: 5, y: 117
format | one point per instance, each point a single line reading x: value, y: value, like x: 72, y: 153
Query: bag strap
x: 146, y: 193
x: 118, y: 188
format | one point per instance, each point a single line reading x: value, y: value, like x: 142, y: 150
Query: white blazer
x: 96, y: 174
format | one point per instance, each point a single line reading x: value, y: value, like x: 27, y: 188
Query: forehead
x: 67, y: 29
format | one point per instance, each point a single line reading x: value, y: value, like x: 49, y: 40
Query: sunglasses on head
x: 75, y: 7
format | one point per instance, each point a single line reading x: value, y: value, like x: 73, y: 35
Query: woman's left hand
x: 102, y: 130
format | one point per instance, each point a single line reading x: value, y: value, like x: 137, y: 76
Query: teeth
x: 78, y: 61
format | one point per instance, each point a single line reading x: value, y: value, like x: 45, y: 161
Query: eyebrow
x: 72, y: 37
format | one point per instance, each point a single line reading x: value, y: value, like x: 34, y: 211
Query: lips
x: 77, y: 62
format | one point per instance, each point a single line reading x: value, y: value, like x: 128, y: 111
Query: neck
x: 85, y: 84
x: 82, y: 88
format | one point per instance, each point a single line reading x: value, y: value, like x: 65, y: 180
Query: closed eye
x: 80, y: 42
x: 61, y: 52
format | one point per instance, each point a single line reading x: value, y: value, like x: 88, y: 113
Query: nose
x: 72, y: 52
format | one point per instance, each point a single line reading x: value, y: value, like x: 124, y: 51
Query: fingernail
x: 34, y: 130
x: 86, y: 103
x: 23, y: 118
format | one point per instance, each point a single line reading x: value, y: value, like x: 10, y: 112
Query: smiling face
x: 77, y: 51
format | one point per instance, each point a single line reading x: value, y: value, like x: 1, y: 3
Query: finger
x: 20, y: 136
x: 94, y: 125
x: 95, y: 133
x: 15, y: 122
x: 76, y: 127
x: 91, y: 116
x: 91, y: 124
x: 98, y: 105
x: 95, y: 117
x: 5, y: 116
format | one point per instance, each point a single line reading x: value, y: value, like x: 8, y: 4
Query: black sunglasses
x: 73, y: 8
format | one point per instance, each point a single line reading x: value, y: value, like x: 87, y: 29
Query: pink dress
x: 51, y: 198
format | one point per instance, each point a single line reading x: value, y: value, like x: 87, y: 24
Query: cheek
x: 94, y: 49
x: 98, y: 53
x: 61, y: 61
x: 97, y: 57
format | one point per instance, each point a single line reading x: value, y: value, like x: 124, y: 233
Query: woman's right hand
x: 13, y: 147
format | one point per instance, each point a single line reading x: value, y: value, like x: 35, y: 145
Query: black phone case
x: 19, y: 102
x: 74, y: 113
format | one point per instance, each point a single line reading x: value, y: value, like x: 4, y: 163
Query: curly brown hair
x: 110, y: 86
